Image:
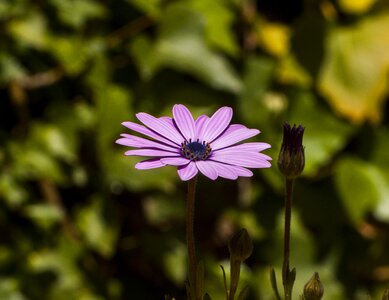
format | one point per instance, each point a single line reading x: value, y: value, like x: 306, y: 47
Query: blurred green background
x: 77, y: 221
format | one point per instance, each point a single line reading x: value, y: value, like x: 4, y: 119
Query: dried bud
x: 385, y: 296
x: 291, y: 160
x: 240, y: 245
x: 313, y: 289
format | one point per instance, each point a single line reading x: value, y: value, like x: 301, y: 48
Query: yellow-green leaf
x: 353, y: 76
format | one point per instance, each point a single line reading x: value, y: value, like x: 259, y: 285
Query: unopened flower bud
x: 313, y: 289
x: 291, y: 160
x: 385, y: 296
x: 240, y: 245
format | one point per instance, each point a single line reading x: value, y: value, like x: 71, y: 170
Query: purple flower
x: 207, y: 144
x: 291, y: 160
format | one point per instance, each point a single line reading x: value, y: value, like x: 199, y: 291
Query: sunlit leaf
x: 11, y: 191
x: 354, y: 72
x: 52, y: 139
x: 274, y: 38
x: 72, y: 52
x: 31, y: 30
x: 31, y: 162
x: 182, y: 46
x: 355, y: 6
x: 291, y: 72
x: 77, y: 12
x: 10, y: 289
x: 358, y: 184
x: 11, y: 68
x: 44, y: 215
x: 219, y: 18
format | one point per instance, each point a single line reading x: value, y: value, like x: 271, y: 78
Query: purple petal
x: 229, y: 171
x: 184, y: 121
x: 175, y: 161
x: 149, y: 164
x: 138, y: 142
x: 245, y: 159
x: 216, y: 124
x: 187, y: 172
x: 161, y: 126
x: 199, y: 124
x: 246, y: 147
x: 144, y: 130
x: 206, y: 167
x: 233, y: 134
x: 150, y: 152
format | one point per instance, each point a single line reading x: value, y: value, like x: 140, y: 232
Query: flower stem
x: 286, y: 280
x: 190, y: 206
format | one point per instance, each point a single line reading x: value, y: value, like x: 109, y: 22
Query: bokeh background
x: 77, y: 221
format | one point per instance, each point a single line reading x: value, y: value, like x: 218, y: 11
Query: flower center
x: 196, y: 150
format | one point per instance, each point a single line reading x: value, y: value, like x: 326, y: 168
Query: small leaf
x: 291, y: 279
x: 273, y: 281
x: 206, y: 297
x: 77, y: 12
x: 31, y: 30
x: 224, y: 281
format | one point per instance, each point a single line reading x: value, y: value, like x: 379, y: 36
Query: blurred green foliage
x: 77, y: 221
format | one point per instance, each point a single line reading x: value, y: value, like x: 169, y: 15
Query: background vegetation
x: 77, y: 221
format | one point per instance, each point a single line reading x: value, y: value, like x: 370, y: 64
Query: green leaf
x: 323, y: 137
x: 353, y: 76
x: 273, y: 281
x: 181, y: 46
x: 174, y: 262
x: 219, y: 18
x: 73, y: 52
x: 150, y: 7
x: 10, y: 289
x: 30, y: 30
x: 50, y: 138
x: 77, y: 12
x: 33, y: 163
x: 11, y: 68
x: 358, y: 186
x: 142, y: 50
x: 257, y: 78
x: 100, y: 232
x: 11, y: 190
x: 45, y: 215
x: 224, y: 281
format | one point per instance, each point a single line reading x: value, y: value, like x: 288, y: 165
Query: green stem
x: 190, y: 205
x: 234, y: 278
x: 288, y: 214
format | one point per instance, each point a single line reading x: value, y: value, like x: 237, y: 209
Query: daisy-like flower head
x: 207, y: 144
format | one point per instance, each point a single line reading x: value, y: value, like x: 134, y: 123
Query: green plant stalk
x: 190, y: 241
x: 235, y: 273
x: 288, y: 285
